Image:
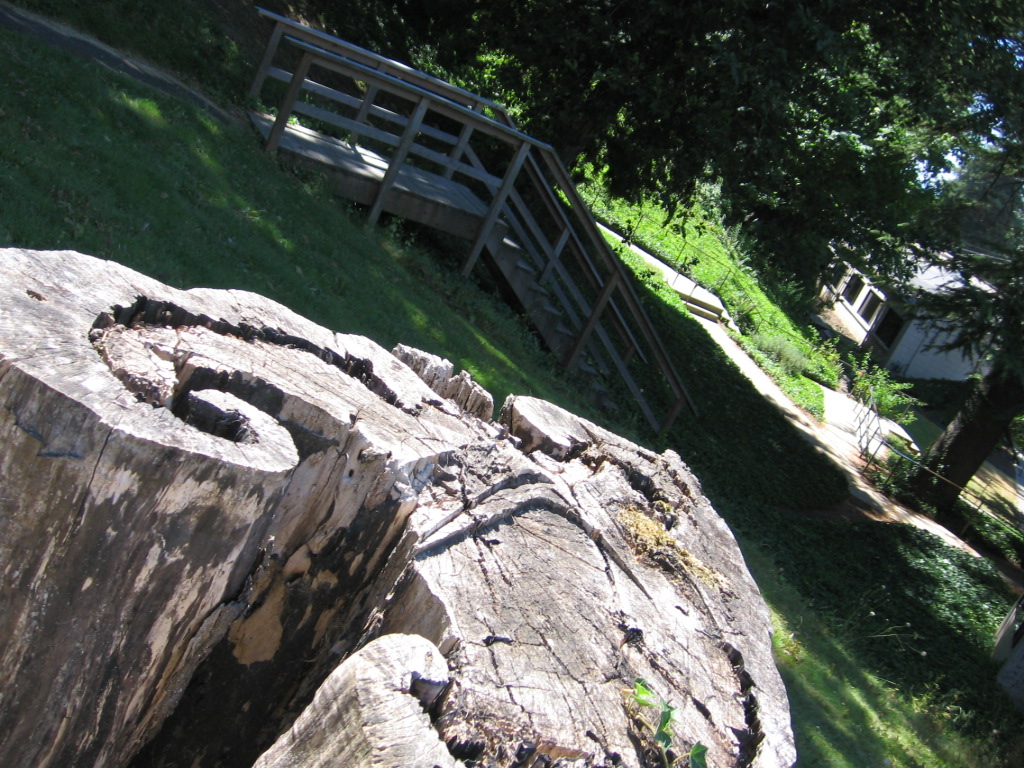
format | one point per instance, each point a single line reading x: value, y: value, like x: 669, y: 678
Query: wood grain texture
x: 552, y: 603
x: 208, y: 503
x: 371, y: 711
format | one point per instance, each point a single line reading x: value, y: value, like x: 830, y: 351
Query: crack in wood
x: 445, y: 530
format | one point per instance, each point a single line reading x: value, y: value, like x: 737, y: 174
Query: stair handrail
x: 441, y: 103
x: 332, y: 44
x: 625, y: 277
x: 451, y: 99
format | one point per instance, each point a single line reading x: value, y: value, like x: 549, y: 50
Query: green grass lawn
x: 94, y: 162
x: 882, y: 637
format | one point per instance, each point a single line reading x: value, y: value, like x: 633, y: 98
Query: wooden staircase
x: 404, y: 143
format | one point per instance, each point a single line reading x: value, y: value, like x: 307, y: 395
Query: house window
x: 869, y: 308
x: 889, y: 327
x: 852, y: 289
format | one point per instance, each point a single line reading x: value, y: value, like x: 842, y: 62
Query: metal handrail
x: 871, y: 406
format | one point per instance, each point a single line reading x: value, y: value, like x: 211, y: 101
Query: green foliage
x: 666, y: 715
x: 874, y: 384
x: 643, y: 695
x: 993, y: 533
x: 718, y: 442
x: 826, y: 365
x: 696, y: 243
x: 847, y: 716
x: 786, y: 365
x: 941, y: 397
x: 975, y: 520
x: 784, y: 352
x: 815, y: 119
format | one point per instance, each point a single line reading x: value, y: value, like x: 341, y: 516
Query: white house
x: 881, y: 321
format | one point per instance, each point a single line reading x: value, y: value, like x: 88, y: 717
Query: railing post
x: 595, y: 315
x: 397, y: 159
x: 268, y: 59
x: 364, y: 111
x: 677, y: 406
x: 455, y: 157
x: 288, y: 102
x: 487, y: 225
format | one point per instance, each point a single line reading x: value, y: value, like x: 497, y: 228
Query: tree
x: 818, y: 122
x: 814, y: 119
x: 984, y: 308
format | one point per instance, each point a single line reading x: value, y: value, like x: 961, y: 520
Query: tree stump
x: 208, y: 503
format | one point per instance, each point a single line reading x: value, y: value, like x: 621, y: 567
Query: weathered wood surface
x: 372, y: 711
x: 356, y: 173
x: 557, y: 585
x: 209, y: 502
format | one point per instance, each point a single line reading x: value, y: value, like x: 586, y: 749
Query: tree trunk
x: 968, y: 440
x: 208, y: 503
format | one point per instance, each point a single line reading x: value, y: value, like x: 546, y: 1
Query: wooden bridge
x: 404, y: 143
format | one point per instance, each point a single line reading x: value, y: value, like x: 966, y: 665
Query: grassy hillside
x: 782, y: 341
x: 94, y: 162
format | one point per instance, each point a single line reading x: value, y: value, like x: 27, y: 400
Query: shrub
x: 874, y: 383
x: 987, y: 532
x: 826, y: 365
x: 783, y: 351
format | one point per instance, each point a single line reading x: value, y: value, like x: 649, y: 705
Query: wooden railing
x: 511, y: 186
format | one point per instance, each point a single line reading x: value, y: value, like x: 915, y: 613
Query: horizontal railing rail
x: 873, y: 439
x: 283, y: 25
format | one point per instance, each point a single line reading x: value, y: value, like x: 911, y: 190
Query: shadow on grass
x: 97, y: 163
x: 891, y: 604
x: 897, y: 624
x: 741, y: 445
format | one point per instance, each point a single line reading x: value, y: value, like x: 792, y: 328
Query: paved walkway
x: 702, y: 302
x: 84, y: 46
x: 836, y: 437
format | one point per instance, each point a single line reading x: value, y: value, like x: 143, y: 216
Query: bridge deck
x: 358, y: 172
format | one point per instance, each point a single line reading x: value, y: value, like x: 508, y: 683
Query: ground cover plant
x: 986, y: 521
x: 846, y: 712
x: 92, y: 161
